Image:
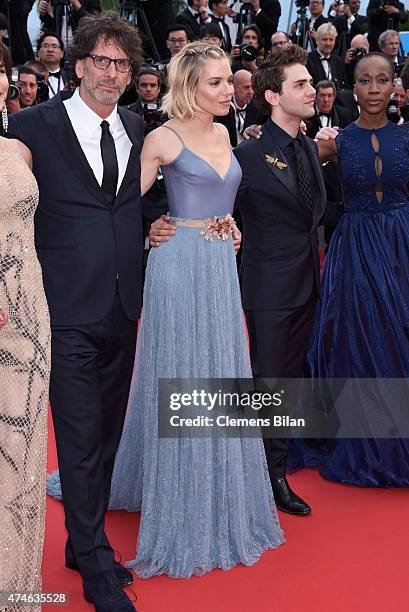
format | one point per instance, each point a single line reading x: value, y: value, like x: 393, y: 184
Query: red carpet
x: 349, y: 555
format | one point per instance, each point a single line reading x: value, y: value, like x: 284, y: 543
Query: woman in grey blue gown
x: 205, y: 502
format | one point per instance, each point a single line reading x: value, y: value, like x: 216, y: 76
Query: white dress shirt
x: 87, y: 128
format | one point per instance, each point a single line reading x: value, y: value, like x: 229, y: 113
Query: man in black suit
x: 327, y: 114
x: 281, y: 200
x: 307, y: 38
x: 242, y: 112
x: 383, y: 15
x: 389, y: 43
x: 348, y: 24
x: 322, y: 64
x: 17, y: 13
x: 219, y: 10
x: 268, y: 13
x: 194, y: 15
x: 88, y: 235
x: 52, y: 13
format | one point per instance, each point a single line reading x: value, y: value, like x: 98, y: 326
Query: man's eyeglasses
x: 103, y: 63
x: 176, y: 41
x: 279, y: 43
x: 50, y: 46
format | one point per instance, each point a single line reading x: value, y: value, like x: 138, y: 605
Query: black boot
x: 285, y: 499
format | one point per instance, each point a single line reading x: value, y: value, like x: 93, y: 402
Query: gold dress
x: 24, y: 381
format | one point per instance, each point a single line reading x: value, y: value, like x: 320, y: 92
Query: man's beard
x: 103, y: 97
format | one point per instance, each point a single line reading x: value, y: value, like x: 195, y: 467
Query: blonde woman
x: 205, y: 502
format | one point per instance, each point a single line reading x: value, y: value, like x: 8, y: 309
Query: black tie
x: 110, y: 162
x: 303, y: 180
x: 56, y: 75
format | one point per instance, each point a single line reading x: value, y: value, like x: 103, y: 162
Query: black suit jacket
x: 359, y: 26
x: 300, y: 40
x: 226, y: 45
x: 267, y: 20
x: 53, y: 24
x: 280, y: 261
x: 379, y: 21
x: 316, y: 70
x: 339, y: 117
x: 229, y: 121
x: 186, y: 19
x: 86, y: 245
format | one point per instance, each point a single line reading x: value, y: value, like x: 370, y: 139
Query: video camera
x: 153, y: 116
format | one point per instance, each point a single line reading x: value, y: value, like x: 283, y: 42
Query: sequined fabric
x: 362, y: 323
x: 24, y: 376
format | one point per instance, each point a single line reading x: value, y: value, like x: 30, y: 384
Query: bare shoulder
x: 164, y: 144
x: 222, y: 129
x: 21, y: 149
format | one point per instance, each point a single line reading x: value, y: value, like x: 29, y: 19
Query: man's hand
x: 4, y: 315
x: 327, y: 133
x: 303, y: 127
x: 236, y: 233
x: 391, y: 10
x: 76, y: 4
x: 347, y: 11
x: 161, y: 231
x: 45, y: 6
x: 349, y: 56
x: 313, y: 34
x: 252, y: 131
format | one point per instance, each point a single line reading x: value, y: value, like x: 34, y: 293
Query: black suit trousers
x: 278, y: 346
x: 90, y: 378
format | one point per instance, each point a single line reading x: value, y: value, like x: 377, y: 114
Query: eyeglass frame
x: 50, y: 46
x: 94, y: 56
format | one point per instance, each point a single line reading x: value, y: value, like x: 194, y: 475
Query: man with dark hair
x: 307, y: 38
x: 147, y: 83
x: 193, y: 16
x: 50, y: 51
x: 177, y: 36
x: 211, y: 34
x: 219, y: 9
x: 383, y: 15
x: 28, y: 86
x: 327, y: 114
x: 281, y: 200
x: 88, y: 234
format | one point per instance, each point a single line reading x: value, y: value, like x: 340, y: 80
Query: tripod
x: 132, y: 10
x: 302, y: 32
x: 244, y: 18
x: 61, y: 11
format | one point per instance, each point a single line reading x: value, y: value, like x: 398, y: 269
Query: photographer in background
x: 27, y: 86
x: 50, y: 50
x: 177, y: 37
x: 383, y: 15
x: 267, y: 15
x: 53, y: 12
x: 359, y: 48
x: 316, y: 8
x: 195, y: 15
x: 389, y: 42
x: 348, y: 23
x: 17, y: 12
x: 246, y: 51
x: 219, y: 9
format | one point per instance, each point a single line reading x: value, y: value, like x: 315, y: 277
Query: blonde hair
x: 326, y: 28
x: 184, y: 73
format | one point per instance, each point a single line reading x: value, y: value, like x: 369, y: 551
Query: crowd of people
x: 106, y: 166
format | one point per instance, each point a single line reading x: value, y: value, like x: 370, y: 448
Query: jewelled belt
x: 214, y: 228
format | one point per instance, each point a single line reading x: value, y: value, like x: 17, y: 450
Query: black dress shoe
x: 285, y: 499
x: 124, y: 575
x: 105, y: 592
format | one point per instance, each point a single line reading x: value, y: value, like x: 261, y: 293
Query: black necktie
x: 56, y: 75
x: 303, y: 180
x: 110, y: 162
x: 326, y: 57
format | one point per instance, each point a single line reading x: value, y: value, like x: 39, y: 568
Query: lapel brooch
x: 274, y: 162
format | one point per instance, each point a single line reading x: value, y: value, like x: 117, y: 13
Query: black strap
x: 110, y: 162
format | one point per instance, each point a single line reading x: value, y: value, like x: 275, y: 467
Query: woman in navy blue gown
x: 362, y: 325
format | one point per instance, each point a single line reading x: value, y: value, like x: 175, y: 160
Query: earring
x: 4, y: 119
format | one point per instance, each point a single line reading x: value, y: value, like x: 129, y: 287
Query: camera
x: 302, y: 4
x: 153, y: 116
x: 392, y: 112
x: 358, y: 53
x: 248, y: 53
x: 14, y: 92
x: 393, y: 3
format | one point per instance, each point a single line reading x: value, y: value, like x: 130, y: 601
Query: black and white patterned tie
x: 109, y: 161
x: 303, y: 180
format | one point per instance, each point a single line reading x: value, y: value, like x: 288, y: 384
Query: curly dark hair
x: 5, y: 59
x: 107, y: 26
x: 271, y: 75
